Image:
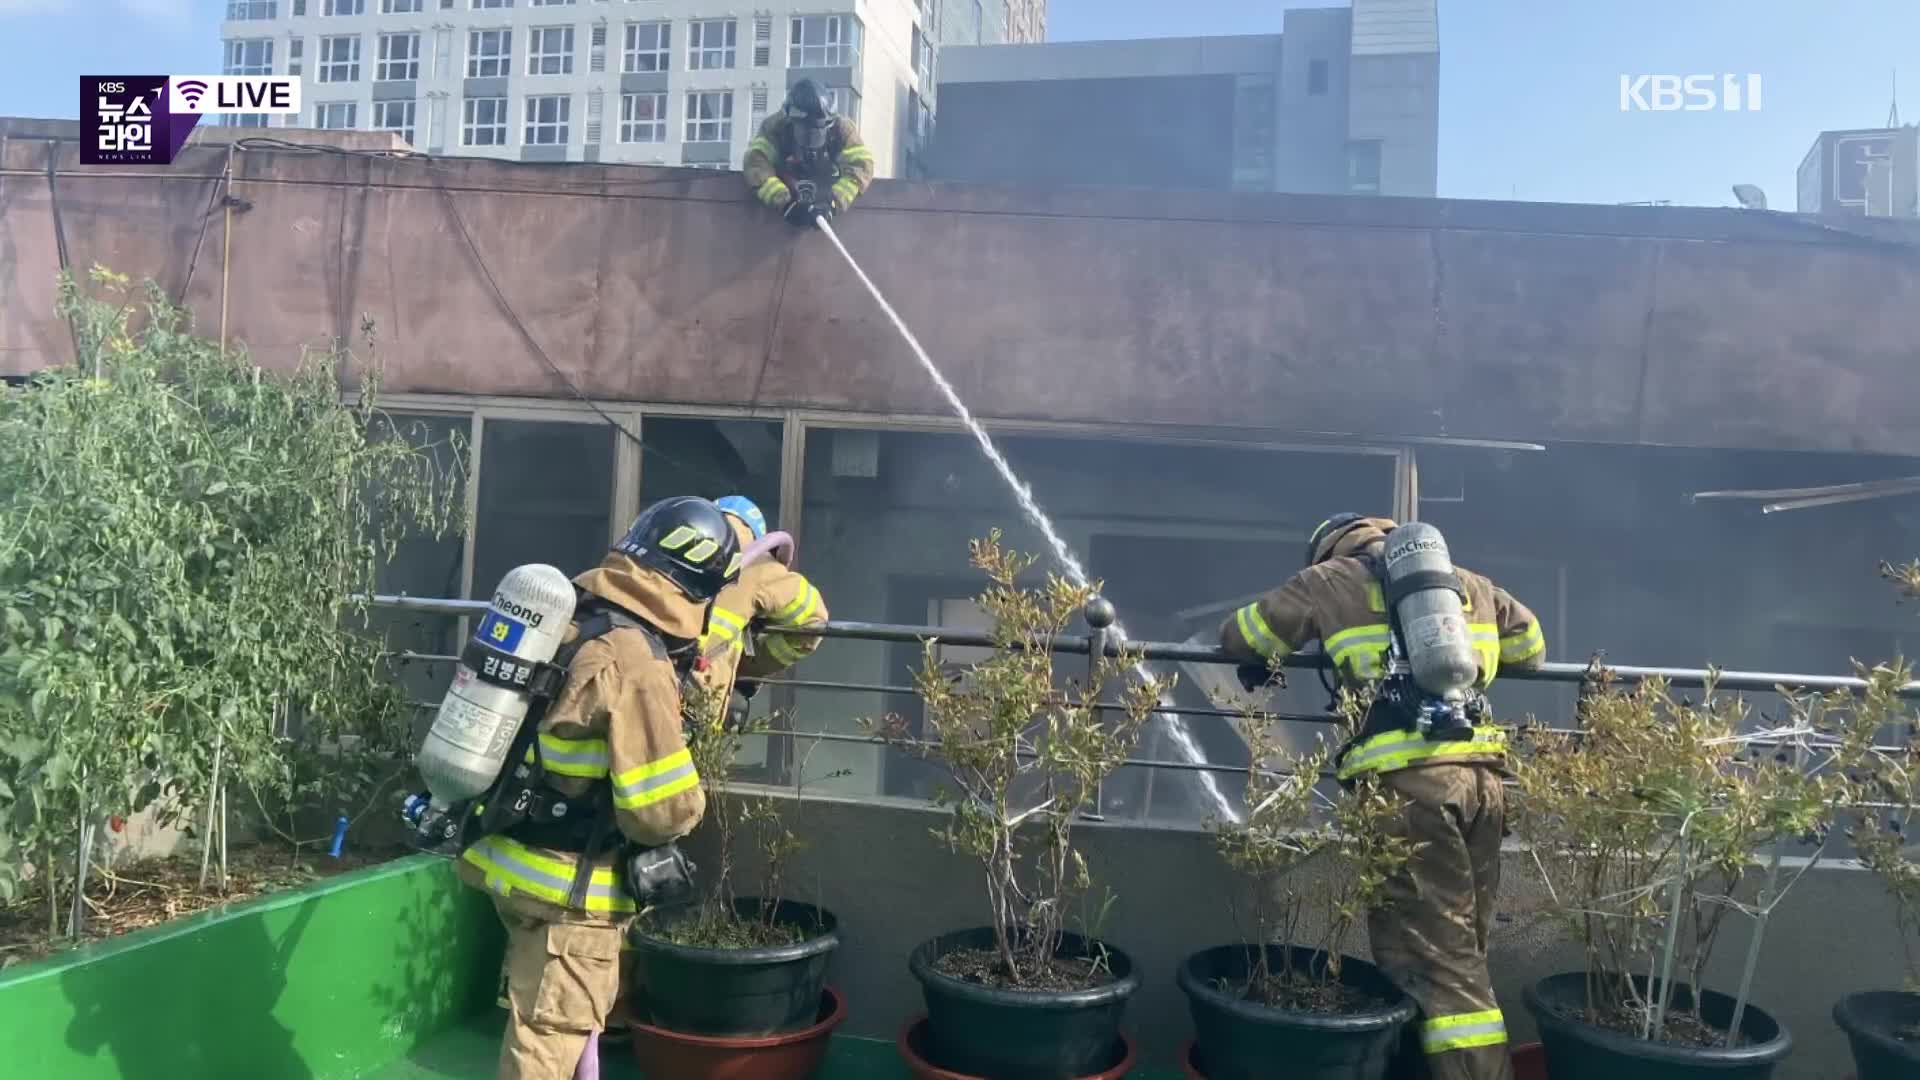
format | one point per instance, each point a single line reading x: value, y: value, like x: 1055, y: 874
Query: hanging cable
x: 526, y: 335
x: 60, y: 238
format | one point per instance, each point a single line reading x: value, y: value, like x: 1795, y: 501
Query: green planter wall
x: 326, y: 983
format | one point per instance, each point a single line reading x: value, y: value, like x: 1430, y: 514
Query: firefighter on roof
x: 1431, y: 937
x: 613, y: 753
x: 806, y: 160
x: 768, y: 594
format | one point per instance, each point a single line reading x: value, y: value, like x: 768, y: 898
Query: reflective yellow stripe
x: 1360, y: 649
x: 1393, y: 750
x: 1257, y: 634
x: 846, y: 187
x: 1463, y: 1031
x: 772, y: 189
x: 856, y: 155
x: 1486, y: 648
x: 572, y: 757
x: 724, y: 625
x: 798, y: 610
x: 1376, y: 600
x: 644, y: 785
x: 760, y: 143
x: 1524, y: 645
x: 782, y: 650
x: 508, y: 862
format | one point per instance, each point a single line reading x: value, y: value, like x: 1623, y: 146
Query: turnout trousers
x: 563, y: 973
x: 1430, y: 937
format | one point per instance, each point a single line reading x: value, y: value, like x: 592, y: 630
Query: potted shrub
x: 1023, y: 997
x: 731, y: 981
x: 1315, y: 866
x: 1883, y: 1026
x: 1644, y: 827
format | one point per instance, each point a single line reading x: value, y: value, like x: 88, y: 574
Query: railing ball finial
x: 1098, y: 612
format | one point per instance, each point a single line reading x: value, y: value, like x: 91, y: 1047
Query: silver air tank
x: 1423, y: 590
x: 478, y: 719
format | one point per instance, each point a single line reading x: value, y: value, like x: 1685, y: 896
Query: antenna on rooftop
x: 1893, y: 110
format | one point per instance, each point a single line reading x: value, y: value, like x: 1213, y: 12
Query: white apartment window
x: 240, y: 10
x: 710, y: 43
x: 479, y: 4
x: 399, y: 57
x: 550, y: 3
x: 649, y: 47
x: 252, y: 56
x: 489, y: 53
x: 643, y: 118
x: 293, y: 55
x: 340, y: 59
x: 547, y: 117
x: 843, y: 101
x: 484, y: 122
x: 246, y: 120
x: 344, y: 7
x: 710, y: 116
x: 923, y: 57
x: 550, y: 50
x: 402, y: 7
x: 824, y: 41
x: 394, y: 116
x: 762, y: 40
x: 334, y: 114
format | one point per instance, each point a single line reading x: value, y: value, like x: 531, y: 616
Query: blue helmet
x: 743, y: 508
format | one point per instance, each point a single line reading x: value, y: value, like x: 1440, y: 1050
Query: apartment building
x: 663, y: 82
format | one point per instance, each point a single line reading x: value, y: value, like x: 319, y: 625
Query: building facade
x: 1873, y: 172
x: 1342, y: 101
x: 667, y: 82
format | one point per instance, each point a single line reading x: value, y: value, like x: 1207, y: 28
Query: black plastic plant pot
x: 980, y: 1030
x: 1873, y: 1022
x: 1577, y: 1050
x: 1237, y: 1039
x: 740, y: 992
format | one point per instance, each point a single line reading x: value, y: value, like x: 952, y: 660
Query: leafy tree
x: 1317, y: 864
x: 1644, y: 827
x: 1025, y: 759
x: 187, y: 549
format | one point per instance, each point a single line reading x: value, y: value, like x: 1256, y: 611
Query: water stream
x: 1173, y: 724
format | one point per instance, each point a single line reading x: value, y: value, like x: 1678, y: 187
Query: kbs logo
x: 1689, y: 93
x: 145, y: 119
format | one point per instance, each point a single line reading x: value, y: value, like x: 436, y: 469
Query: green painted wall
x: 327, y: 983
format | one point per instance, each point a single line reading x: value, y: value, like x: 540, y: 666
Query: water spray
x: 1176, y: 726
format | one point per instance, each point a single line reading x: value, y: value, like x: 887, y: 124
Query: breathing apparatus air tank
x: 1425, y: 596
x: 478, y: 719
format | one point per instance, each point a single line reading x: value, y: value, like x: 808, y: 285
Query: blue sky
x: 1529, y: 88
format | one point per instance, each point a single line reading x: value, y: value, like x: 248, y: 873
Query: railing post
x: 1099, y: 616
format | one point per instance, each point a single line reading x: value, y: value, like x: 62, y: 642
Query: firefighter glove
x: 660, y: 877
x: 737, y: 708
x: 776, y: 195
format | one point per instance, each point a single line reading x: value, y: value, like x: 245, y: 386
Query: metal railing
x: 1101, y: 642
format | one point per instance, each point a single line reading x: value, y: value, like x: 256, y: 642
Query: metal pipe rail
x: 1082, y: 645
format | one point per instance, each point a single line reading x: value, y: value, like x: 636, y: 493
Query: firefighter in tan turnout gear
x: 740, y: 639
x: 1442, y: 756
x: 615, y: 760
x: 806, y: 160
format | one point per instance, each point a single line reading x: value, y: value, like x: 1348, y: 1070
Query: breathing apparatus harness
x: 525, y: 807
x: 1401, y: 703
